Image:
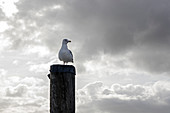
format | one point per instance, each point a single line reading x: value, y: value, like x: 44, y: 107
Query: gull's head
x: 65, y: 41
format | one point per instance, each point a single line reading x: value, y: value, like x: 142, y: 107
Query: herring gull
x: 65, y: 54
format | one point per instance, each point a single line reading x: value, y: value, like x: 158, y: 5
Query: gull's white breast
x: 65, y: 55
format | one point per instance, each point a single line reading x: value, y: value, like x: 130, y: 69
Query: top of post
x: 62, y: 69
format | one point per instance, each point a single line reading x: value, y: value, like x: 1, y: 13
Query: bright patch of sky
x: 8, y: 7
x: 4, y: 26
x: 5, y: 42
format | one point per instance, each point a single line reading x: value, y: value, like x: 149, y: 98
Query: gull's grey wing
x: 71, y: 55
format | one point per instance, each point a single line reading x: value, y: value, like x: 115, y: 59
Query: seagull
x: 65, y: 54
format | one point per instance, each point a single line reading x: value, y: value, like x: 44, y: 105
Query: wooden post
x: 62, y: 89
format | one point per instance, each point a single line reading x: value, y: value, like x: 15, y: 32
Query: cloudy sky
x: 121, y: 51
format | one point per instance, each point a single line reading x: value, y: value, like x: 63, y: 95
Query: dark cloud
x: 95, y: 26
x: 154, y: 61
x: 119, y: 27
x: 106, y: 24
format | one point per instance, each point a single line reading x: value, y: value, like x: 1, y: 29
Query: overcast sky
x: 121, y: 51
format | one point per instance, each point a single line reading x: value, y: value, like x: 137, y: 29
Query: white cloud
x: 5, y: 43
x: 42, y: 67
x: 26, y: 105
x: 15, y: 62
x: 3, y: 72
x: 28, y: 95
x: 17, y: 91
x: 42, y: 51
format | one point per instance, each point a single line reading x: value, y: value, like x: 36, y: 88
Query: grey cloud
x: 129, y: 90
x: 31, y: 6
x: 2, y: 15
x: 5, y: 103
x: 152, y: 61
x: 26, y: 24
x: 124, y: 98
x: 133, y: 106
x: 17, y: 91
x: 19, y: 105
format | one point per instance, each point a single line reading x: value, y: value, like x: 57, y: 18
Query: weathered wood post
x: 62, y: 88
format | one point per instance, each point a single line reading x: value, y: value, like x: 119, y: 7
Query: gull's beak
x: 69, y: 40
